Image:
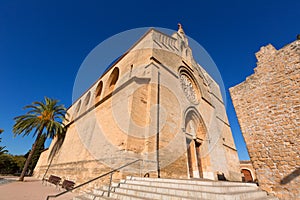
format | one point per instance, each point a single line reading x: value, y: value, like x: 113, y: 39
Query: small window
x: 77, y: 107
x: 87, y: 99
x: 112, y: 80
x: 99, y: 91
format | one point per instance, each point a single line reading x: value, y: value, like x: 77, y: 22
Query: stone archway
x: 247, y: 175
x: 195, y: 133
x: 112, y: 80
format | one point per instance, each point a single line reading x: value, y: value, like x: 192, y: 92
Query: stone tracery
x: 188, y: 88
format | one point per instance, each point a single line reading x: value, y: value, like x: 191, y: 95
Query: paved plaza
x: 30, y: 189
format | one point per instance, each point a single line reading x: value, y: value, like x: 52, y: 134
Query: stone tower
x: 267, y: 105
x: 154, y: 103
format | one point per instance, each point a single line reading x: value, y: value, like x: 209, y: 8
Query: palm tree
x: 2, y: 149
x: 45, y: 116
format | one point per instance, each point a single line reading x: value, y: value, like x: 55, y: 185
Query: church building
x: 155, y: 103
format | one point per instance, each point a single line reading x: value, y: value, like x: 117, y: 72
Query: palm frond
x: 47, y: 115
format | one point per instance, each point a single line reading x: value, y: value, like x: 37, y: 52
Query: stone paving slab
x: 30, y: 189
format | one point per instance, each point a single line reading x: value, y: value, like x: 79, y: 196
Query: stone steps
x: 136, y: 188
x: 267, y: 198
x: 179, y: 194
x: 151, y: 186
x: 190, y: 181
x: 187, y: 191
x: 103, y: 195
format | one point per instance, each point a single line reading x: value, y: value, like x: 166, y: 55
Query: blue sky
x: 43, y: 43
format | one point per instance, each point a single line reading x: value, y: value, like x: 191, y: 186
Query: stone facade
x: 155, y: 103
x: 267, y: 105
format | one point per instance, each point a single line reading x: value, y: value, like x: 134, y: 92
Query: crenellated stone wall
x: 267, y: 105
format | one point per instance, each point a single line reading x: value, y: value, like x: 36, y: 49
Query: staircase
x: 136, y: 188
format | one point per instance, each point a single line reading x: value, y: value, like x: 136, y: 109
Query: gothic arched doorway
x: 195, y: 132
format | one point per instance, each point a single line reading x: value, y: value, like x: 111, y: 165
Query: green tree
x: 35, y: 157
x: 2, y: 149
x: 20, y: 161
x: 7, y: 164
x: 45, y: 116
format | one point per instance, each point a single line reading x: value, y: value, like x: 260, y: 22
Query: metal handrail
x: 107, y: 173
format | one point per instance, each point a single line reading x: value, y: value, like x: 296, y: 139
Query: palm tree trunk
x: 30, y: 156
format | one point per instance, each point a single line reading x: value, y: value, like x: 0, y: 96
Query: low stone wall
x: 79, y: 172
x: 83, y: 171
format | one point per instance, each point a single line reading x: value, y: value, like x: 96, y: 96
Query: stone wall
x: 79, y: 172
x: 267, y: 105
